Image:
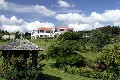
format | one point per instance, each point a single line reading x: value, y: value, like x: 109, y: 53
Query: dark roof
x: 20, y: 45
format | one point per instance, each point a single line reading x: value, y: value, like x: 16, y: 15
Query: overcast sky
x: 26, y: 15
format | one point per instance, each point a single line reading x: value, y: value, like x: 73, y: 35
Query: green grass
x: 64, y: 76
x: 1, y: 78
x: 2, y: 42
x: 47, y: 69
x: 42, y: 43
x: 111, y: 46
x: 91, y: 55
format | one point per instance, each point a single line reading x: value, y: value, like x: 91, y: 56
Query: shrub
x: 110, y: 62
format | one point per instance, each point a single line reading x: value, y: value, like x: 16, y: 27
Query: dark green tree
x: 27, y: 35
x: 99, y: 39
x: 65, y: 53
x: 71, y: 36
x: 17, y: 35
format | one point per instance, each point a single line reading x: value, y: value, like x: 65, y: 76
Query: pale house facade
x: 63, y: 29
x: 49, y: 32
x: 42, y: 32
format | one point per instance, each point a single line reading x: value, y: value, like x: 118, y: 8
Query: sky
x: 28, y: 15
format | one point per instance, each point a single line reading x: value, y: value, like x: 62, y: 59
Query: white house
x: 42, y: 32
x: 12, y: 36
x: 8, y: 37
x: 49, y: 32
x: 5, y: 37
x: 63, y: 29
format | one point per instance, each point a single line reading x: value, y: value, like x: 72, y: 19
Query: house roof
x: 65, y: 27
x: 20, y: 45
x: 44, y: 28
x: 62, y: 27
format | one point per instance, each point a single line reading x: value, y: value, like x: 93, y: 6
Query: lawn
x: 54, y: 73
x: 59, y: 73
x: 91, y: 55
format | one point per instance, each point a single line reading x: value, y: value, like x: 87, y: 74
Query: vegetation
x: 110, y: 63
x: 65, y: 53
x: 83, y: 55
x: 99, y: 39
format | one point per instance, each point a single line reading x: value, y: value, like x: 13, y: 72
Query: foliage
x: 113, y: 31
x: 110, y: 62
x: 17, y: 35
x: 23, y: 75
x: 2, y: 32
x: 102, y: 36
x: 99, y: 39
x: 65, y: 53
x: 71, y: 36
x: 20, y: 66
x: 27, y: 35
x: 85, y: 72
x: 79, y: 36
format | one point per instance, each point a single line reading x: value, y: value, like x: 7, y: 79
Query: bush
x: 23, y: 75
x: 71, y: 36
x: 110, y: 62
x: 65, y: 53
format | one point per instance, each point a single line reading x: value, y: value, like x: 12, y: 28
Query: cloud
x: 25, y: 9
x: 117, y: 24
x: 80, y: 27
x: 94, y: 20
x: 70, y: 18
x: 44, y: 11
x: 13, y: 28
x: 3, y: 4
x: 13, y: 24
x: 36, y: 24
x: 15, y: 7
x: 64, y: 11
x: 118, y: 2
x: 12, y: 21
x: 64, y: 4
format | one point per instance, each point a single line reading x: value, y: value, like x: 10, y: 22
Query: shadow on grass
x: 41, y: 77
x: 50, y: 77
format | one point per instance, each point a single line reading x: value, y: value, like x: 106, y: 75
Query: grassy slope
x: 53, y: 71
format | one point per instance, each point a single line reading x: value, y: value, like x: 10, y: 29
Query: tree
x: 79, y: 36
x: 65, y: 53
x: 17, y: 35
x: 99, y: 39
x: 71, y: 36
x: 112, y: 31
x: 27, y: 35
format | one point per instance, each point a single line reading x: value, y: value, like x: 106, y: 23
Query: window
x: 61, y: 29
x: 42, y: 31
x: 47, y: 31
x: 33, y: 33
x: 70, y: 30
